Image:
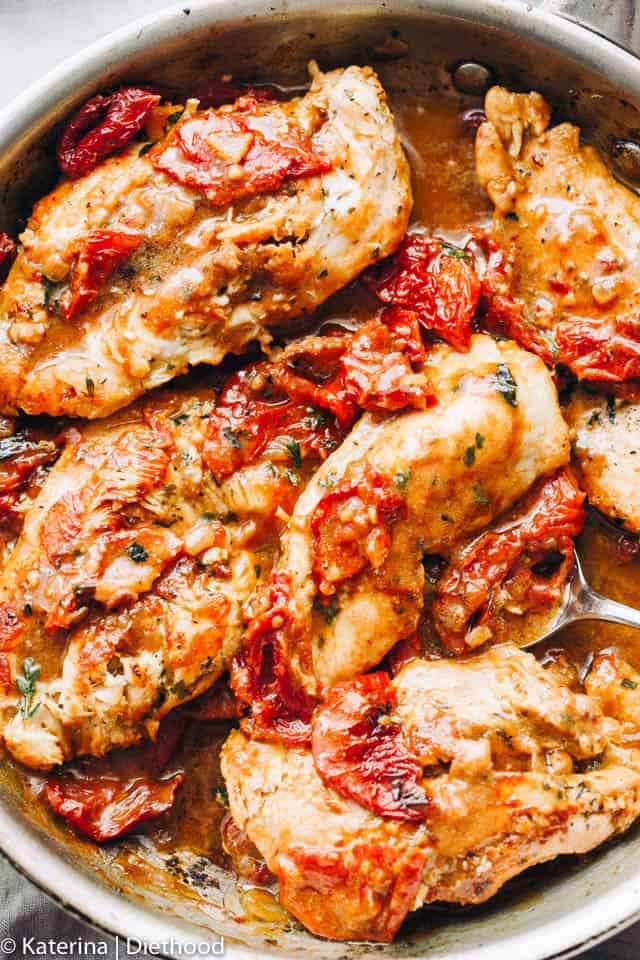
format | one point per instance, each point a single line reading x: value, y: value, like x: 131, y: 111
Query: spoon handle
x: 586, y: 604
x: 602, y: 608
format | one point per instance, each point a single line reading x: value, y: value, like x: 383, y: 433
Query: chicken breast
x: 573, y: 230
x: 401, y: 487
x: 606, y: 450
x: 514, y: 767
x: 199, y: 272
x: 573, y: 234
x: 123, y: 596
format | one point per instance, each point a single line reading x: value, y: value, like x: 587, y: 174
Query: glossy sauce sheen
x: 448, y: 201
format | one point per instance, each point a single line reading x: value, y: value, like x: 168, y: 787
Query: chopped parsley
x: 49, y: 288
x: 173, y: 118
x: 401, y: 479
x: 329, y: 609
x: 26, y: 684
x: 457, y: 252
x: 469, y: 456
x: 91, y: 387
x: 479, y: 441
x: 136, y: 552
x: 233, y: 436
x: 292, y: 477
x: 145, y: 148
x: 315, y: 418
x: 446, y: 518
x: 479, y: 495
x: 295, y: 453
x: 629, y: 684
x: 611, y: 409
x: 506, y: 385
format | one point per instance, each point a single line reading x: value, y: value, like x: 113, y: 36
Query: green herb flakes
x: 506, y: 385
x: 26, y: 684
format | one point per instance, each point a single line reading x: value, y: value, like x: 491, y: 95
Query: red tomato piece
x: 516, y: 557
x: 500, y: 312
x: 593, y: 350
x: 103, y: 808
x: 331, y: 891
x: 262, y: 674
x: 154, y: 755
x: 359, y: 750
x: 20, y: 456
x: 6, y: 682
x: 215, y: 93
x: 11, y: 627
x: 350, y: 527
x: 104, y: 251
x: 8, y: 252
x: 436, y: 281
x: 377, y: 366
x: 228, y: 158
x: 244, y: 855
x: 101, y: 127
x: 252, y: 412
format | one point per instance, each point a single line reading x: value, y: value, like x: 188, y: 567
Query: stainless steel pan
x: 563, y: 909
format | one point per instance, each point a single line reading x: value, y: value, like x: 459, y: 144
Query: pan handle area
x: 617, y: 20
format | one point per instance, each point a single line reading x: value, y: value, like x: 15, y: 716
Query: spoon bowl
x: 581, y: 602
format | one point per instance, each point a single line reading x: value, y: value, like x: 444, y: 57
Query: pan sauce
x: 438, y: 136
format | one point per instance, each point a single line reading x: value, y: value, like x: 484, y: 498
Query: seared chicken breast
x: 482, y: 768
x: 572, y: 234
x: 165, y: 258
x: 606, y: 450
x: 124, y: 593
x: 573, y: 231
x: 402, y: 486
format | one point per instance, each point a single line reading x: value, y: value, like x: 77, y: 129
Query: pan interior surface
x: 415, y: 47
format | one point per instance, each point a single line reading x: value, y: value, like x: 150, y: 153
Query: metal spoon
x: 582, y: 603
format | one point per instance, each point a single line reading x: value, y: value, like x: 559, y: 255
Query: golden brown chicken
x: 350, y: 582
x: 237, y: 219
x: 438, y: 786
x: 123, y: 596
x: 571, y: 240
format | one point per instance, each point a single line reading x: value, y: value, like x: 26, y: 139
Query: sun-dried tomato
x: 103, y: 808
x: 359, y: 749
x: 329, y: 887
x: 263, y: 675
x: 244, y: 855
x: 104, y: 251
x: 215, y: 93
x: 20, y: 456
x: 104, y: 799
x: 313, y: 393
x: 252, y: 412
x: 350, y: 528
x: 529, y: 556
x: 595, y: 350
x: 6, y: 682
x: 500, y: 312
x: 8, y: 252
x: 152, y: 756
x: 12, y: 627
x: 371, y: 368
x: 228, y: 156
x: 436, y: 281
x: 101, y: 127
